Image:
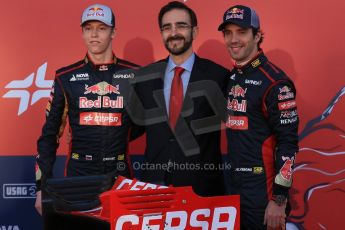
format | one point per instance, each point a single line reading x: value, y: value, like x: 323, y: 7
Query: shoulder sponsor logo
x: 288, y: 121
x: 127, y: 75
x: 252, y: 82
x: 288, y: 95
x: 102, y: 119
x: 287, y: 105
x: 284, y: 89
x: 20, y: 89
x: 19, y: 191
x: 102, y: 88
x: 237, y: 122
x: 288, y: 113
x: 80, y: 77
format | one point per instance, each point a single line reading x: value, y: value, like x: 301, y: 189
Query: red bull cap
x: 100, y: 13
x: 242, y: 16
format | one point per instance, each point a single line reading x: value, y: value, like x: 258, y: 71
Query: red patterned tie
x: 176, y: 97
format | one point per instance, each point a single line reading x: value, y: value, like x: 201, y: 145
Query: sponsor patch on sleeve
x: 285, y: 96
x: 287, y: 105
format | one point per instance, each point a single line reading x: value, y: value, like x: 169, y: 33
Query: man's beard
x: 178, y: 51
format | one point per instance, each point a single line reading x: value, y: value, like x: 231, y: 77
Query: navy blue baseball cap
x: 242, y: 16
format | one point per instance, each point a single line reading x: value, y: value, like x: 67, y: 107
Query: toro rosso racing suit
x: 262, y: 133
x: 93, y: 98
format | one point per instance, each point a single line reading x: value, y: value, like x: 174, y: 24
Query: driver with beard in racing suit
x: 92, y: 94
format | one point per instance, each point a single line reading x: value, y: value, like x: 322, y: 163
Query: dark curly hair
x: 177, y: 5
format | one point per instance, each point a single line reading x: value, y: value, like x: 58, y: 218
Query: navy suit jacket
x: 190, y: 154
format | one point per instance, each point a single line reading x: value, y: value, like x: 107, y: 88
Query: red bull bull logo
x: 238, y: 91
x: 285, y: 89
x: 102, y: 88
x: 234, y: 13
x: 288, y: 95
x: 95, y: 11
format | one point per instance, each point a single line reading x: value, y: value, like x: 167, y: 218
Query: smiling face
x: 242, y: 44
x: 97, y: 37
x: 177, y: 32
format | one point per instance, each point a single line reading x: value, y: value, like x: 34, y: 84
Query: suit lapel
x: 196, y: 75
x: 197, y: 71
x: 162, y: 87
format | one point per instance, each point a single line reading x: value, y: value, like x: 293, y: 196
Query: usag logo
x: 19, y: 191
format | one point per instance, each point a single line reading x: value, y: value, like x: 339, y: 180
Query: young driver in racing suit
x: 262, y: 124
x: 92, y: 94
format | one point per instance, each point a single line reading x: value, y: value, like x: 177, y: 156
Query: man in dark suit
x: 181, y: 99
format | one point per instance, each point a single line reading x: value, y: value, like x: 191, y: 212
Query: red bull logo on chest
x: 102, y: 88
x: 238, y: 91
